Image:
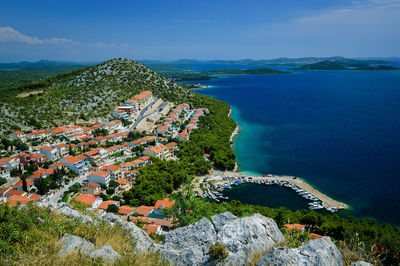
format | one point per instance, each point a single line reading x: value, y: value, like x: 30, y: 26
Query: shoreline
x: 220, y: 179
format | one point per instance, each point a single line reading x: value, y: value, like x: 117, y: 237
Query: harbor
x: 214, y: 186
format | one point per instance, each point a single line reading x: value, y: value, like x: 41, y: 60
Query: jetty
x: 318, y: 200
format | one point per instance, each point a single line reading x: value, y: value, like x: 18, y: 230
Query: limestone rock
x: 106, y: 253
x: 189, y: 245
x: 142, y: 240
x: 242, y: 237
x: 320, y: 251
x: 246, y: 236
x: 221, y: 219
x: 70, y: 243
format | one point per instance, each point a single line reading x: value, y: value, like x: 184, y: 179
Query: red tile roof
x: 144, y: 210
x: 104, y: 205
x: 125, y: 210
x: 100, y: 173
x: 166, y: 203
x: 86, y: 198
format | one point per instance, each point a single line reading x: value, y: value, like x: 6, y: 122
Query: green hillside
x: 93, y: 91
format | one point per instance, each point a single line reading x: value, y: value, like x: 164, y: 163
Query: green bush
x: 218, y: 252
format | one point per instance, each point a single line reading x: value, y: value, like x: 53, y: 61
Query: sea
x: 338, y: 130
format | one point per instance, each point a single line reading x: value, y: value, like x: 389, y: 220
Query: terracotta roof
x: 46, y: 171
x: 162, y: 128
x: 58, y: 164
x: 290, y: 227
x: 171, y: 145
x: 314, y: 236
x: 125, y: 210
x: 19, y: 183
x: 73, y: 159
x: 15, y: 192
x: 151, y: 228
x: 122, y: 181
x: 100, y: 173
x: 144, y: 210
x: 184, y: 134
x: 15, y: 199
x: 166, y: 203
x: 144, y: 158
x: 38, y: 155
x: 86, y: 198
x: 158, y: 148
x: 47, y: 148
x: 104, y: 205
x: 17, y: 132
x: 93, y: 185
x: 6, y: 160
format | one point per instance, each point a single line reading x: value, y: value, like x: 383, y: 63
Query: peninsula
x: 333, y: 65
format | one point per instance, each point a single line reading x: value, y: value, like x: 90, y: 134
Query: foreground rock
x: 143, y: 242
x: 243, y: 237
x: 70, y: 243
x: 316, y: 252
x: 106, y: 253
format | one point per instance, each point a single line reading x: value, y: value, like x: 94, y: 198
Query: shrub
x: 218, y: 252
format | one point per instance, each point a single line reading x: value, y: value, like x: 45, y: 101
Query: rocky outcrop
x: 70, y: 243
x: 106, y: 253
x: 242, y: 237
x: 142, y: 240
x: 315, y: 252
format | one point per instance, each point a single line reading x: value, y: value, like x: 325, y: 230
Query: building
x: 38, y: 157
x: 104, y: 205
x: 161, y: 130
x: 90, y: 188
x: 159, y: 151
x: 164, y: 203
x: 183, y: 136
x: 126, y: 210
x: 90, y: 200
x: 10, y: 162
x: 51, y: 153
x: 4, y: 171
x: 17, y: 135
x: 100, y: 177
x: 124, y: 184
x: 75, y: 164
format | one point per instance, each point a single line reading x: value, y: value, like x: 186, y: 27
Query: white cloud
x: 8, y: 34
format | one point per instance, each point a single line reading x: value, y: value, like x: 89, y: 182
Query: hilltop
x: 93, y: 91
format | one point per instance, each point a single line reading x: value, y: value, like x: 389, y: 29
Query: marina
x: 215, y: 185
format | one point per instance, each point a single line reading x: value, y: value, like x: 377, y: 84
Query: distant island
x: 332, y: 65
x: 207, y: 75
x: 254, y: 71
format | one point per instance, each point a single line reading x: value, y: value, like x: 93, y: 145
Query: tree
x: 41, y: 185
x: 113, y: 184
x: 112, y: 208
x: 22, y: 146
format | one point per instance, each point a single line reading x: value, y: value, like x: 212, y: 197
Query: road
x: 141, y: 115
x: 60, y: 192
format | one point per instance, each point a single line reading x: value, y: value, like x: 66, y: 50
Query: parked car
x: 85, y: 181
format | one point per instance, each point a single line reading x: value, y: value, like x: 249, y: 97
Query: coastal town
x: 95, y: 164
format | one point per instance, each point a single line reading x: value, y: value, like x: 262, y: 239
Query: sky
x: 95, y: 30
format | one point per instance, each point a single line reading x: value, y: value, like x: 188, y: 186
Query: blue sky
x: 94, y: 30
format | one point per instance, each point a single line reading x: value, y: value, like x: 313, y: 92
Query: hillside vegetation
x: 93, y: 91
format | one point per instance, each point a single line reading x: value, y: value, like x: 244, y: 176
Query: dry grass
x: 39, y: 242
x: 356, y: 250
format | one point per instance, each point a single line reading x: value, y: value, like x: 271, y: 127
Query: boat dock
x: 216, y: 183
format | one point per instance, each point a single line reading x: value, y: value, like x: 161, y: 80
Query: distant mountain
x: 324, y: 65
x: 93, y: 91
x: 349, y: 62
x: 344, y: 65
x: 39, y: 64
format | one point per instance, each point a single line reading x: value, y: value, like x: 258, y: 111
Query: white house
x: 75, y: 164
x: 4, y: 171
x: 10, y: 162
x: 51, y: 152
x: 99, y: 177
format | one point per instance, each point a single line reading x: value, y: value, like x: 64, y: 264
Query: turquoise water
x: 339, y: 130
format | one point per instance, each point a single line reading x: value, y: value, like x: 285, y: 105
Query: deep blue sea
x: 339, y: 130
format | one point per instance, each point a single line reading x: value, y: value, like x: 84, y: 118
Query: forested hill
x: 93, y: 91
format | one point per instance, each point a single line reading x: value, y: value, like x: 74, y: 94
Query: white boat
x: 315, y: 207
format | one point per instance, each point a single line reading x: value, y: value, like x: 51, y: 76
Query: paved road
x: 141, y: 115
x: 58, y: 193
